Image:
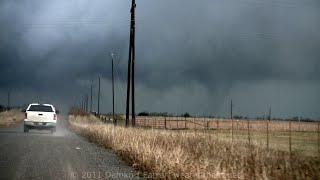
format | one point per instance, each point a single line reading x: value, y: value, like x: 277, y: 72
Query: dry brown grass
x: 225, y: 124
x: 304, y: 135
x: 195, y: 155
x: 11, y: 117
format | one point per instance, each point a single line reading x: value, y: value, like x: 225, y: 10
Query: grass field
x: 11, y: 117
x: 203, y: 154
x: 214, y: 123
x: 305, y: 143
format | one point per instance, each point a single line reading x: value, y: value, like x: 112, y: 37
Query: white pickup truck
x: 40, y: 116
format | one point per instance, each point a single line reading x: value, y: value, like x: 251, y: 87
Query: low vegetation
x: 75, y: 111
x: 167, y: 154
x: 11, y: 117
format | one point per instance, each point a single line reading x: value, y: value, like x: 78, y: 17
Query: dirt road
x: 64, y: 155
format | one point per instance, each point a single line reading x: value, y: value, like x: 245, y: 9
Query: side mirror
x: 23, y: 110
x: 57, y: 112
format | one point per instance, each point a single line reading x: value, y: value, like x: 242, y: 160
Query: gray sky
x: 191, y: 56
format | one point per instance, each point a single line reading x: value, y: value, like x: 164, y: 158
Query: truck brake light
x: 55, y: 117
x: 26, y: 115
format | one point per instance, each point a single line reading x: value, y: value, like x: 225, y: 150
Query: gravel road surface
x: 63, y: 155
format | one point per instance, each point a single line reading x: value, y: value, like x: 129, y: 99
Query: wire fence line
x: 225, y: 124
x: 292, y: 136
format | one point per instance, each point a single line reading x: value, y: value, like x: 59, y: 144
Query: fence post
x: 153, y: 123
x: 165, y: 122
x: 290, y: 137
x: 195, y: 127
x: 237, y: 124
x: 267, y: 134
x: 319, y: 138
x: 248, y: 131
x: 232, y: 129
x: 217, y: 123
x: 177, y: 123
x: 207, y: 124
x: 185, y: 122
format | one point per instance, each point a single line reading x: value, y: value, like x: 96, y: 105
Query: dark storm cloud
x: 252, y: 42
x: 57, y: 48
x: 50, y: 52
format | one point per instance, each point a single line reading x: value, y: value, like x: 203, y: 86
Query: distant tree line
x: 162, y: 114
x: 2, y: 108
x: 240, y: 117
x: 165, y: 114
x: 295, y: 118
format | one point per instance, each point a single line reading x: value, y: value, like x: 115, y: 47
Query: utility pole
x: 128, y: 84
x: 84, y: 103
x: 8, y: 105
x: 269, y: 119
x: 231, y: 109
x: 87, y: 102
x: 81, y: 105
x: 131, y: 63
x: 269, y: 114
x: 91, y: 99
x: 114, y: 120
x: 99, y: 98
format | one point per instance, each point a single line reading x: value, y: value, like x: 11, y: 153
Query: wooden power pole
x: 114, y: 120
x: 99, y: 98
x: 91, y: 99
x: 131, y: 63
x: 8, y: 106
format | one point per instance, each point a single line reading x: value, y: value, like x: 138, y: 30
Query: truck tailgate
x: 40, y: 116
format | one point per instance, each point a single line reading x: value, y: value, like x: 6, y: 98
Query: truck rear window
x: 41, y: 108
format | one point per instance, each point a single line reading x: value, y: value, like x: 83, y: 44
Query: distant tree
x: 237, y: 117
x: 307, y: 119
x: 295, y: 118
x: 2, y: 108
x: 186, y: 115
x: 162, y: 114
x: 143, y: 114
